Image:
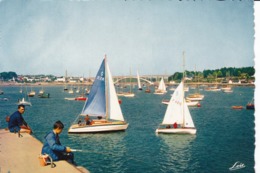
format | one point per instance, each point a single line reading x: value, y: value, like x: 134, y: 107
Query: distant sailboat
x: 138, y: 82
x: 23, y: 102
x: 31, y: 93
x: 130, y: 93
x: 102, y: 105
x: 162, y: 88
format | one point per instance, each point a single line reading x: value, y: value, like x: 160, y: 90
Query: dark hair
x: 58, y: 124
x: 19, y: 106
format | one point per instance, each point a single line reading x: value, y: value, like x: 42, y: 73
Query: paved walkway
x: 20, y: 155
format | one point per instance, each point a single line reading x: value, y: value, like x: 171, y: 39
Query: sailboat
x: 138, y: 82
x: 130, y: 93
x: 102, y: 106
x: 177, y: 118
x: 162, y: 88
x: 23, y: 102
x: 31, y: 93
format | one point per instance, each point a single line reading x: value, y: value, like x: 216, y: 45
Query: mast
x: 183, y: 123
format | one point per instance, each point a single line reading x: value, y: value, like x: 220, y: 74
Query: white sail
x: 177, y: 110
x: 138, y: 81
x: 114, y: 110
x: 188, y: 122
x: 162, y: 86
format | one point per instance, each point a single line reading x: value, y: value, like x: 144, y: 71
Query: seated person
x: 53, y: 147
x: 88, y: 120
x: 175, y: 125
x: 79, y: 122
x: 16, y: 123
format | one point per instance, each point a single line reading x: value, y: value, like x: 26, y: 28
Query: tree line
x: 7, y: 75
x: 210, y: 75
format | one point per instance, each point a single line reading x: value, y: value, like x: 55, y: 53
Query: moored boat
x: 44, y: 95
x: 237, y: 107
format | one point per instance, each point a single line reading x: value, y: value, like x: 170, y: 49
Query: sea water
x: 224, y: 139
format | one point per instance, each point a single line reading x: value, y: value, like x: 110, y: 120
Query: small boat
x: 237, y: 107
x: 129, y: 94
x: 23, y: 102
x: 4, y: 99
x: 81, y: 98
x: 44, y: 95
x: 250, y: 105
x: 147, y: 90
x: 195, y: 97
x: 41, y: 91
x: 69, y: 98
x: 1, y: 92
x: 102, y: 106
x: 227, y: 91
x: 70, y: 91
x: 32, y: 94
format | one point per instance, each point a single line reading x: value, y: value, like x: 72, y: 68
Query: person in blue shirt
x: 53, y: 147
x: 16, y: 122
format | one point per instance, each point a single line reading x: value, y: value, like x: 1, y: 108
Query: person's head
x: 58, y: 127
x: 21, y: 109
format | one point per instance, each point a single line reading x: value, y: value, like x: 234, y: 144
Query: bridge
x: 151, y: 79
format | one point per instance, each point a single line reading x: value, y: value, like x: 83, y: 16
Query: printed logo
x: 237, y: 165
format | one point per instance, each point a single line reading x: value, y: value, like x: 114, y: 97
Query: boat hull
x: 177, y: 130
x: 24, y: 103
x: 98, y: 128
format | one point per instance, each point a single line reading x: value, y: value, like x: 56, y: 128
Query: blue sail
x: 96, y: 103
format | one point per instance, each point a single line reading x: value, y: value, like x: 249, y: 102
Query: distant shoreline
x: 133, y: 83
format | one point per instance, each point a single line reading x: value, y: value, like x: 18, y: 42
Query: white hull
x: 159, y: 93
x: 191, y: 103
x: 129, y: 95
x: 97, y: 128
x: 67, y: 98
x: 194, y: 98
x: 227, y: 91
x: 25, y: 103
x: 177, y: 130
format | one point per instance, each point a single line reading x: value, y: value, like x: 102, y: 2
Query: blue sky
x: 49, y: 37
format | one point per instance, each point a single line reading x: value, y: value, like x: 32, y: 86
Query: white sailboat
x: 129, y: 93
x: 177, y: 118
x: 162, y: 88
x: 102, y: 106
x: 23, y: 102
x: 138, y: 82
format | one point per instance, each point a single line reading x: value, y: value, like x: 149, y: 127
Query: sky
x: 52, y: 36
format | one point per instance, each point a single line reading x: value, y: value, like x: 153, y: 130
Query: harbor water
x: 224, y: 139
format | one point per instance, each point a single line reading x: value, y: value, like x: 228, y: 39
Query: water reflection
x: 176, y: 153
x: 108, y: 146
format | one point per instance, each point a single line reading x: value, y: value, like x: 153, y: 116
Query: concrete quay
x: 20, y: 155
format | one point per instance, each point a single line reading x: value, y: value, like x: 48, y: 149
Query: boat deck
x: 20, y: 154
